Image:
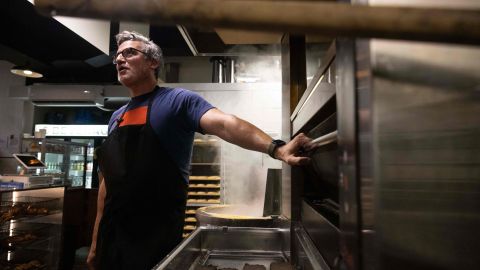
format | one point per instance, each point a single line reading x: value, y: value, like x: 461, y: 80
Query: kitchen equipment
x: 232, y: 215
x: 234, y: 247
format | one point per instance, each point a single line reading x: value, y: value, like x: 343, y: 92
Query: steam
x: 257, y: 64
x: 246, y: 180
x: 245, y: 171
x: 261, y: 69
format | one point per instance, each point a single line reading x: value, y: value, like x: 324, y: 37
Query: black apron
x: 144, y: 210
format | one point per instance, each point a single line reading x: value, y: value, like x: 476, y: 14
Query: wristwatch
x: 273, y: 146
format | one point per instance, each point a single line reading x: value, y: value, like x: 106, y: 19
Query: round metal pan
x: 231, y: 216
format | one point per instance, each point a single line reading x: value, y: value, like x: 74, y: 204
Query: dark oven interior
x: 318, y: 192
x: 321, y: 176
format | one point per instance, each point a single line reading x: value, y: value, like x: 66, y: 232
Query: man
x: 145, y: 160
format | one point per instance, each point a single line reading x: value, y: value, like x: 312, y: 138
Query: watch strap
x: 273, y: 146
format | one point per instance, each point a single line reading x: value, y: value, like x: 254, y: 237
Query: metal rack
x: 205, y: 182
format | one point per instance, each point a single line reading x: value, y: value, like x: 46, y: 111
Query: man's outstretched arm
x: 242, y: 133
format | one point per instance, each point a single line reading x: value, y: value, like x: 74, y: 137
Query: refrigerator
x: 92, y: 135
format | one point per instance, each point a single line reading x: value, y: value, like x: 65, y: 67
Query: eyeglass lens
x: 126, y: 53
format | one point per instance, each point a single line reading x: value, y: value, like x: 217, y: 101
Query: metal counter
x: 233, y: 247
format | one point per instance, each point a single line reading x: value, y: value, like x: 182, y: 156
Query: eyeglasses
x: 127, y: 54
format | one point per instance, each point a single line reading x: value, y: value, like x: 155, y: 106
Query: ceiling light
x: 25, y: 72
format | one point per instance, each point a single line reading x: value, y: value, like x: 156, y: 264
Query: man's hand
x: 290, y: 153
x: 91, y: 259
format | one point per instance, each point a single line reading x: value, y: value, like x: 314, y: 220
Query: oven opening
x: 321, y: 176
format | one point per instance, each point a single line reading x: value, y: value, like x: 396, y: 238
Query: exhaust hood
x: 66, y: 95
x: 60, y: 95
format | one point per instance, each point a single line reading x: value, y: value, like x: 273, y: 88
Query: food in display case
x: 31, y: 265
x: 23, y: 260
x: 23, y: 235
x: 30, y: 228
x: 11, y: 241
x: 27, y: 206
x: 9, y: 213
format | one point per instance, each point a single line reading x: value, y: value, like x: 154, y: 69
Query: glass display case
x: 66, y: 162
x: 31, y: 228
x: 90, y: 169
x: 205, y: 184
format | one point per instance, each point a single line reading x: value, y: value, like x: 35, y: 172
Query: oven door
x: 319, y: 192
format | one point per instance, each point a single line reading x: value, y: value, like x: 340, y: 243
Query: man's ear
x: 154, y: 63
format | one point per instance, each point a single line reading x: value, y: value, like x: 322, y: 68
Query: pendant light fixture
x: 25, y: 71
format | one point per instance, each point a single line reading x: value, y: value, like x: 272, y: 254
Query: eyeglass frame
x: 114, y: 61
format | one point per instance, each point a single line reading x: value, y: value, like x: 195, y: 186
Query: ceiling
x: 64, y: 57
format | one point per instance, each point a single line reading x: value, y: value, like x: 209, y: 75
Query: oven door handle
x: 325, y: 139
x: 316, y: 143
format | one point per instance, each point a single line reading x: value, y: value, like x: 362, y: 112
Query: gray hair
x: 152, y: 50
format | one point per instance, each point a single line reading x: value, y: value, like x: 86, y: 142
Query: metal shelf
x: 217, y: 194
x: 215, y: 164
x: 204, y: 186
x: 201, y: 204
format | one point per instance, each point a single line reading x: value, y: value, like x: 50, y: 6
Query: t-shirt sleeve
x: 195, y: 107
x: 112, y: 122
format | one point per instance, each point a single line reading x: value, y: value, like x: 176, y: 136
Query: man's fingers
x: 295, y: 161
x: 302, y: 143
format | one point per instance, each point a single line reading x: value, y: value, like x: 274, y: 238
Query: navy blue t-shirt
x: 175, y: 117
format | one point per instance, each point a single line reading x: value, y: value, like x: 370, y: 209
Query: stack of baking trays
x: 204, y: 187
x: 202, y: 191
x: 25, y: 242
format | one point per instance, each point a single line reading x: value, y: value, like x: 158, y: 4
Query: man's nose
x: 119, y: 58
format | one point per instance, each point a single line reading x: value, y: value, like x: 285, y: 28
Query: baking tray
x: 230, y: 247
x: 233, y: 247
x: 237, y: 260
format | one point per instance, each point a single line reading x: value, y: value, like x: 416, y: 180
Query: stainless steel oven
x: 318, y: 186
x: 399, y: 186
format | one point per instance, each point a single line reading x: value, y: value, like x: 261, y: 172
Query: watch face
x: 274, y: 145
x: 278, y: 142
